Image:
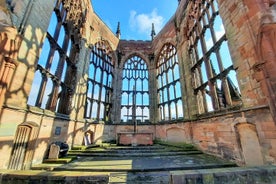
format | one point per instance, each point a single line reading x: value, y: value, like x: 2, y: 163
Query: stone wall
x: 226, y: 175
x: 232, y: 134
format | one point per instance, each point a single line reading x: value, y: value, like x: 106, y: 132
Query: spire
x: 118, y: 32
x: 152, y: 32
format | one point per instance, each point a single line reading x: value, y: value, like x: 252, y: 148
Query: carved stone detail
x: 9, y: 45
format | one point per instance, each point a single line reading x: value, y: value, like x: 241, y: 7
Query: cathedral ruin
x: 208, y: 78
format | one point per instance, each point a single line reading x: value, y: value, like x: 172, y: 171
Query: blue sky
x: 135, y: 16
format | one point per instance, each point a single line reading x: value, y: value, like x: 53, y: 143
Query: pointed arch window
x: 51, y: 88
x: 213, y: 74
x: 135, y: 94
x: 169, y: 89
x: 99, y: 84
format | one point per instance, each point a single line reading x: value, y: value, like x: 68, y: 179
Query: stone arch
x: 105, y: 45
x: 176, y: 134
x: 88, y: 137
x: 132, y: 54
x: 159, y: 50
x: 249, y: 143
x: 23, y: 146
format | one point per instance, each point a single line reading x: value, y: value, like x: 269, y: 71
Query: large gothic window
x: 169, y: 89
x: 213, y: 74
x: 99, y: 85
x: 50, y: 89
x: 135, y: 91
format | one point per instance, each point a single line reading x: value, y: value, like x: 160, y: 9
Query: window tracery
x: 169, y: 88
x: 52, y: 86
x: 135, y: 91
x: 214, y: 79
x: 99, y: 85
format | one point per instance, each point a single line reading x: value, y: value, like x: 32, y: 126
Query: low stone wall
x: 48, y: 177
x: 235, y: 175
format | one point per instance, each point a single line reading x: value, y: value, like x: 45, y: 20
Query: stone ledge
x: 45, y: 177
x: 237, y: 175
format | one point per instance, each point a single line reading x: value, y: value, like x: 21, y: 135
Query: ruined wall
x: 232, y: 134
x: 125, y: 50
x: 26, y: 27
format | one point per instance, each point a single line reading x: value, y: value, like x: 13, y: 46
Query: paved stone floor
x: 157, y: 164
x: 137, y: 165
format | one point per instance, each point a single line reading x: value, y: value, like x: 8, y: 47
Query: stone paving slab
x: 156, y: 163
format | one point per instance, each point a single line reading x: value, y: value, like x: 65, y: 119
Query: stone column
x: 267, y: 57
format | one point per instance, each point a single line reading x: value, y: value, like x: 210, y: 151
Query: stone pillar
x: 9, y: 45
x: 153, y: 95
x: 117, y: 94
x: 267, y: 57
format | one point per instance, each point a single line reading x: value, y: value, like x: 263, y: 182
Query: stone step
x: 157, y: 158
x: 121, y: 151
x: 159, y: 169
x: 139, y: 164
x: 131, y: 154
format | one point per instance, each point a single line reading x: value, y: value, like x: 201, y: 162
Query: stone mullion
x: 58, y: 74
x: 105, y: 86
x: 163, y: 90
x: 163, y: 94
x: 52, y: 101
x: 174, y: 90
x: 57, y: 30
x: 93, y: 82
x: 224, y: 81
x: 219, y: 60
x: 65, y: 43
x: 41, y: 90
x: 168, y: 90
x: 203, y: 90
x: 50, y: 55
x: 128, y: 93
x: 100, y: 95
x: 91, y: 100
x: 60, y: 67
x: 208, y: 68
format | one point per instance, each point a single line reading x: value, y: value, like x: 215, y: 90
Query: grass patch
x: 63, y: 160
x: 78, y: 148
x: 184, y: 146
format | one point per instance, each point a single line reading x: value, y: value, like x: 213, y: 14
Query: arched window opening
x: 169, y: 88
x: 212, y: 69
x: 99, y: 89
x: 135, y: 94
x: 51, y: 89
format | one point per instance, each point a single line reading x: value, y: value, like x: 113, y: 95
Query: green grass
x: 62, y: 160
x: 184, y: 146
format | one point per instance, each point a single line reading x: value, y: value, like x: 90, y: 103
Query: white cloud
x: 143, y: 22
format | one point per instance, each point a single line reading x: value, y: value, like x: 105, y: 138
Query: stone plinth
x: 134, y: 139
x: 54, y: 151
